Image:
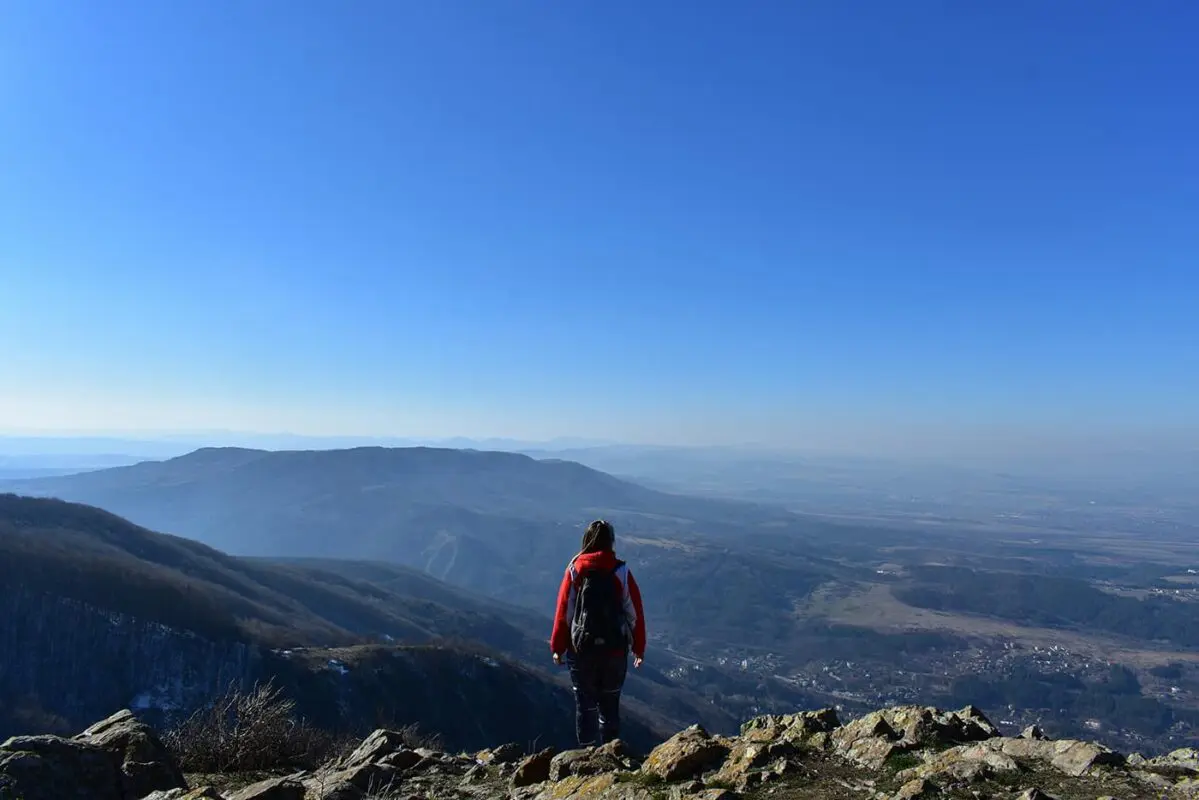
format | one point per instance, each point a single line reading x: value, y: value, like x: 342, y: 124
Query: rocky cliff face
x: 899, y: 753
x: 67, y: 663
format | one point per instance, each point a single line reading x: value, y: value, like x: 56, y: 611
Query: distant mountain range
x: 717, y: 575
x: 169, y: 445
x: 499, y: 523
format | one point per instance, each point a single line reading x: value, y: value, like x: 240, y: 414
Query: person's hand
x: 557, y: 659
x: 637, y: 661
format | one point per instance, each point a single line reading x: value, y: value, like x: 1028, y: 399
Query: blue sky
x: 672, y: 222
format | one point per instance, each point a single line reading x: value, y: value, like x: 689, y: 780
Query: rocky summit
x: 898, y: 753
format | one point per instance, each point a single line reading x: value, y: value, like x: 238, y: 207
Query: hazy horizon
x: 927, y: 229
x: 999, y: 446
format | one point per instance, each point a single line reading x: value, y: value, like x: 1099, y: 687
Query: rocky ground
x: 899, y: 753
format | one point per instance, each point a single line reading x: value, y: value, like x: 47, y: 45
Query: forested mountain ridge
x: 103, y: 613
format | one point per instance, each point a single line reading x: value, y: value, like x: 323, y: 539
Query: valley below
x: 752, y: 608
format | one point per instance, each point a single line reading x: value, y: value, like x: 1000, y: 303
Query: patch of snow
x: 491, y: 662
x: 338, y: 667
x: 158, y: 698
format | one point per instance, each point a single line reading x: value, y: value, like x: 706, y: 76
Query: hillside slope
x: 90, y: 555
x: 171, y: 620
x: 498, y: 524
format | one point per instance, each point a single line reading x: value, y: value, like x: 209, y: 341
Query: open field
x: 874, y: 606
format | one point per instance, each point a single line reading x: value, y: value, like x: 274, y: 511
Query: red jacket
x: 634, y: 616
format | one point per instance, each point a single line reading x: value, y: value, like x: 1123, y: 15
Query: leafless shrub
x: 414, y: 737
x: 249, y: 730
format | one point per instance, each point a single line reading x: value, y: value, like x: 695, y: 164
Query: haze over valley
x: 753, y: 606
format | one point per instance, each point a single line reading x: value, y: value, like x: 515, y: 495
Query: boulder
x: 868, y: 741
x: 611, y: 757
x: 351, y: 784
x: 199, y: 793
x: 534, y: 768
x: 374, y: 748
x: 1079, y: 758
x: 1185, y: 760
x: 271, y: 789
x: 687, y: 754
x: 748, y: 756
x: 916, y: 789
x: 508, y: 753
x: 401, y: 760
x: 798, y: 727
x: 973, y: 725
x: 1072, y: 757
x: 876, y: 737
x: 921, y: 727
x: 1033, y: 732
x: 53, y: 768
x: 585, y: 787
x: 145, y: 763
x: 1153, y: 779
x: 964, y: 763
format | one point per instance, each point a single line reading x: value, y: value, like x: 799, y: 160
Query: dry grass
x: 873, y: 606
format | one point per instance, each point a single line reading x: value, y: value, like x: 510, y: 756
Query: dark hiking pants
x: 598, y: 679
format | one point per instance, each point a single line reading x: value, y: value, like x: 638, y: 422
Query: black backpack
x: 599, y: 620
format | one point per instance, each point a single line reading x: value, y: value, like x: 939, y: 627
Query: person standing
x: 598, y: 620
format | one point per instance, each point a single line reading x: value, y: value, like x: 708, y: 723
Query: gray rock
x: 686, y: 755
x: 200, y: 793
x: 963, y: 763
x: 271, y: 789
x: 1074, y: 758
x: 868, y: 741
x: 352, y: 783
x: 916, y: 789
x: 1153, y: 779
x: 611, y: 757
x: 1185, y: 760
x: 799, y: 726
x: 508, y: 753
x: 400, y: 760
x: 534, y: 769
x: 53, y: 768
x: 374, y: 748
x: 145, y: 763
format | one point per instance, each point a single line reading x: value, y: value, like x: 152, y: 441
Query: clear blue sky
x: 700, y: 221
